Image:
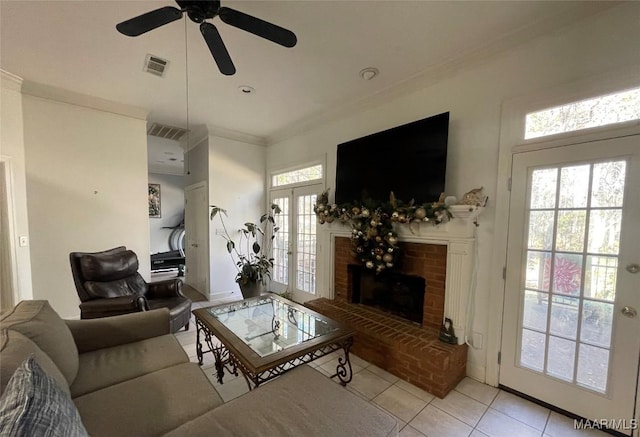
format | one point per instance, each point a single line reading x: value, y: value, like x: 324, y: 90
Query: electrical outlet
x: 23, y: 241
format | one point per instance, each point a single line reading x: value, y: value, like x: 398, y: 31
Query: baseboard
x: 221, y: 297
x: 476, y: 372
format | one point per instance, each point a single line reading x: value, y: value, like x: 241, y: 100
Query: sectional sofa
x: 128, y: 376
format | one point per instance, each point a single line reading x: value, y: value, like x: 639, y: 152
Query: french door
x: 571, y: 336
x: 295, y: 243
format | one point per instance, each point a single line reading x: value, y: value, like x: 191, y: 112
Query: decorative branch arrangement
x: 373, y: 238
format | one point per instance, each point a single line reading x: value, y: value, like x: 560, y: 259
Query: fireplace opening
x: 392, y: 292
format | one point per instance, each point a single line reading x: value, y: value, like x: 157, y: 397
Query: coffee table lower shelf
x: 226, y: 360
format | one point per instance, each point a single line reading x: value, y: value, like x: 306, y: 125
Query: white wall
x: 12, y: 152
x: 474, y: 96
x: 86, y: 173
x: 237, y: 178
x: 172, y: 210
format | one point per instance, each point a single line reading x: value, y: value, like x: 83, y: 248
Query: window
x: 597, y: 111
x: 307, y: 174
x: 295, y: 245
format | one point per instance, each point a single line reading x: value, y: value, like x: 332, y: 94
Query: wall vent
x: 155, y: 65
x: 164, y: 131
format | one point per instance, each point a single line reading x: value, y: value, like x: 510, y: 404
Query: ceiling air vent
x: 155, y: 65
x: 166, y: 132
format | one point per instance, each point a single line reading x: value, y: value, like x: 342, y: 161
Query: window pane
x: 604, y: 231
x: 301, y: 175
x: 570, y: 231
x: 306, y: 244
x: 597, y: 319
x: 608, y: 184
x: 561, y: 359
x: 543, y: 188
x: 598, y: 111
x: 593, y: 367
x: 567, y: 272
x: 540, y: 229
x: 535, y: 310
x: 532, y: 351
x: 564, y: 316
x: 600, y: 277
x: 281, y: 243
x: 538, y: 270
x: 574, y: 186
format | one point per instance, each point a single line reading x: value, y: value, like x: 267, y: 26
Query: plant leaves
x: 215, y: 210
x: 256, y: 247
x: 230, y: 245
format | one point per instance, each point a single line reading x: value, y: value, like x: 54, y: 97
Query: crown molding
x: 443, y: 70
x: 218, y: 131
x: 10, y: 81
x: 194, y: 137
x: 61, y: 95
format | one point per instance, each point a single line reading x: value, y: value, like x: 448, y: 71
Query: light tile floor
x: 473, y: 409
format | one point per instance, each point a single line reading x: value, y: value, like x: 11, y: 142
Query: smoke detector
x: 155, y: 65
x: 165, y: 131
x: 369, y: 73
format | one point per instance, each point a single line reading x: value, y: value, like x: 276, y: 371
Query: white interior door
x: 295, y: 245
x: 196, y: 229
x: 570, y: 335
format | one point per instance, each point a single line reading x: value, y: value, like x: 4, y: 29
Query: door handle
x: 629, y: 312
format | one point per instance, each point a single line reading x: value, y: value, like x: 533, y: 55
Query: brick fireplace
x: 426, y: 260
x: 443, y: 256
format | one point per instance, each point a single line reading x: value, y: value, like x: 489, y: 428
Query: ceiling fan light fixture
x: 246, y: 89
x: 369, y: 73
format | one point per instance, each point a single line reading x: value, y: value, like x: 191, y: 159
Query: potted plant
x: 252, y: 254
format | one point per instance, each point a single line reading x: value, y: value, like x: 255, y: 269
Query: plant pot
x: 252, y: 289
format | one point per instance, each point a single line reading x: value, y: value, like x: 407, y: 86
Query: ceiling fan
x: 198, y: 12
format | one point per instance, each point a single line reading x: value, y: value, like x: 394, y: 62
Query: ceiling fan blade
x: 264, y: 29
x: 217, y: 48
x: 149, y: 21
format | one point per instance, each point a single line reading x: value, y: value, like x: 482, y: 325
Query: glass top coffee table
x: 266, y: 336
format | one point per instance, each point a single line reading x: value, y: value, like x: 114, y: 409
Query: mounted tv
x: 409, y: 160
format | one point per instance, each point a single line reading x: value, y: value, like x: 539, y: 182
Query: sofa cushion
x: 302, y: 402
x: 34, y: 405
x: 104, y: 367
x: 36, y: 320
x: 149, y: 405
x: 15, y: 348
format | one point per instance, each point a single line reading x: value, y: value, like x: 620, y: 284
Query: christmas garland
x: 374, y: 240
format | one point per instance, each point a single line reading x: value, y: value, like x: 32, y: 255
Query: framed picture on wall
x: 154, y: 201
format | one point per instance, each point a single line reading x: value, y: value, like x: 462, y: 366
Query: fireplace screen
x: 394, y: 293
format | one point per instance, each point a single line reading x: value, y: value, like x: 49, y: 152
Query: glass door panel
x: 573, y: 228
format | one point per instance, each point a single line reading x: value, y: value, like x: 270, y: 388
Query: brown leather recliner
x: 108, y: 284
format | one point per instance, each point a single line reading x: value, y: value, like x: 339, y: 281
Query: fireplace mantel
x: 459, y: 235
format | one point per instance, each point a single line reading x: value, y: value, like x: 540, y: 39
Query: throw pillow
x: 33, y: 405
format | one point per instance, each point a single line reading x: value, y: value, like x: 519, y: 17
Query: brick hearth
x: 401, y: 347
x: 409, y: 351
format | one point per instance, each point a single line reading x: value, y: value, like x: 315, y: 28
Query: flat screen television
x: 409, y: 160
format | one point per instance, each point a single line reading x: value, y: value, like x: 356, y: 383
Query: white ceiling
x: 74, y: 45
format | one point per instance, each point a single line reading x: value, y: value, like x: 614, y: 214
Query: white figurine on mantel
x: 475, y: 197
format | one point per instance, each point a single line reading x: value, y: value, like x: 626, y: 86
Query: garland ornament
x: 374, y: 240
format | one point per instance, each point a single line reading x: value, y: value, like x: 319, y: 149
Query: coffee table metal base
x: 225, y: 360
